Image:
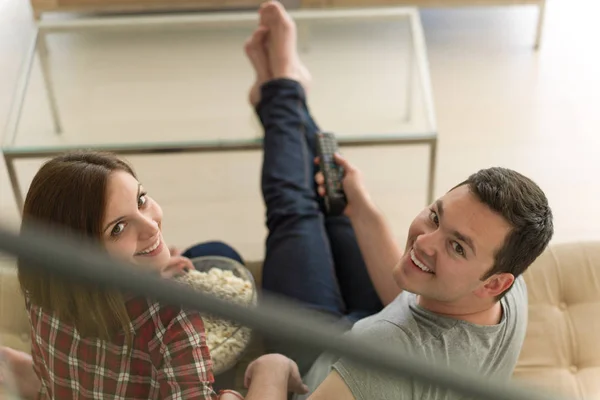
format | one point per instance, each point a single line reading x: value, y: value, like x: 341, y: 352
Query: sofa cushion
x: 561, y: 350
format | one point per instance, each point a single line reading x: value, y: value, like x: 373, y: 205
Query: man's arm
x: 333, y: 387
x: 379, y: 249
x: 375, y: 239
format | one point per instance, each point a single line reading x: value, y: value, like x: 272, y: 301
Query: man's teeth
x: 151, y: 249
x: 419, y: 263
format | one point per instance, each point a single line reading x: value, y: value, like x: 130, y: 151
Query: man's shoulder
x: 399, y: 325
x: 388, y: 332
x: 515, y: 306
x: 518, y: 292
x: 419, y: 333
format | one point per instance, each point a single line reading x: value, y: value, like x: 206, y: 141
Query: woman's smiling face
x: 131, y: 227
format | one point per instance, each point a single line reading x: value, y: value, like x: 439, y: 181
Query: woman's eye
x: 434, y: 218
x: 458, y: 248
x: 118, y: 229
x: 142, y: 200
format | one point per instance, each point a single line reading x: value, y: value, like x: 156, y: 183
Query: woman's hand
x: 17, y: 375
x: 230, y: 395
x: 277, y: 362
x: 178, y: 265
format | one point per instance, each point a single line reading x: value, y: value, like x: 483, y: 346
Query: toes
x: 259, y: 36
x: 256, y: 42
x: 272, y: 13
x: 255, y: 50
x: 267, y: 12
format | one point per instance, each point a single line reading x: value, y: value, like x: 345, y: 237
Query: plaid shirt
x: 169, y: 359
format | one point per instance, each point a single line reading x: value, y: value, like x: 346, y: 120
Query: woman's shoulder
x: 144, y: 311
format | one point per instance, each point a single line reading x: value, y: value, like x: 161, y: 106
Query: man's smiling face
x: 450, y: 247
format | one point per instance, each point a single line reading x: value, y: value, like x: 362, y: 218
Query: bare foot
x: 283, y: 55
x: 17, y: 374
x: 281, y: 44
x: 257, y: 54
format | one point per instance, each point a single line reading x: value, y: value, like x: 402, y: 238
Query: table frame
x: 303, y: 17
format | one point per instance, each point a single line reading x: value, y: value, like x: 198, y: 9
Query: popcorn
x: 225, y: 339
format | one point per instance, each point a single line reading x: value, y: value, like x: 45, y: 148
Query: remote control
x: 335, y: 199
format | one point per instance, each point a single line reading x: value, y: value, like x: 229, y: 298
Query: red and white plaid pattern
x: 169, y: 359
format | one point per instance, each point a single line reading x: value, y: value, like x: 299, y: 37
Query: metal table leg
x: 408, y: 98
x: 432, y: 168
x: 42, y: 48
x: 540, y: 24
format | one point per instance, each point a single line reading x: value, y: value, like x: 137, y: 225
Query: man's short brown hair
x: 522, y: 203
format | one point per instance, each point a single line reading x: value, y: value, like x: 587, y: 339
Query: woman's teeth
x: 150, y: 249
x: 418, y: 263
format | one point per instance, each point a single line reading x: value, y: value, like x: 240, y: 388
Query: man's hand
x: 272, y: 363
x: 354, y: 188
x: 375, y: 238
x: 178, y: 265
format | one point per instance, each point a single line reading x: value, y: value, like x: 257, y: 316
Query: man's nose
x: 427, y: 243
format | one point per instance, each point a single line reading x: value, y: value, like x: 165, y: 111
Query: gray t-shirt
x: 491, y: 350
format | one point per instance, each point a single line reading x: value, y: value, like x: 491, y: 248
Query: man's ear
x: 495, y: 285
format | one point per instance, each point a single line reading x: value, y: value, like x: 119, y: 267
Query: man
x: 457, y: 297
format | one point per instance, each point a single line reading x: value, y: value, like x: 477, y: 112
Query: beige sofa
x: 561, y: 351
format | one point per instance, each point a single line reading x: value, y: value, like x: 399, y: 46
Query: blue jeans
x: 310, y: 257
x: 219, y: 249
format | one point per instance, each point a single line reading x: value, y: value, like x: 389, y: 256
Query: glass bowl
x: 227, y: 353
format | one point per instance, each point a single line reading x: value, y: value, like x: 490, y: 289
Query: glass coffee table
x: 174, y: 83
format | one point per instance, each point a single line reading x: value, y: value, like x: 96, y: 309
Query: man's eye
x: 434, y: 218
x: 458, y: 248
x: 118, y: 229
x: 142, y: 200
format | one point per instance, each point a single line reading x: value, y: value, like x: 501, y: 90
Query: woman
x: 311, y: 257
x: 88, y: 342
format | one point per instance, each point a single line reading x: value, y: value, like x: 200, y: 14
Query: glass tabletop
x: 185, y: 84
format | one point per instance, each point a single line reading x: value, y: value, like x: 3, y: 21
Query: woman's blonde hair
x: 69, y: 193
